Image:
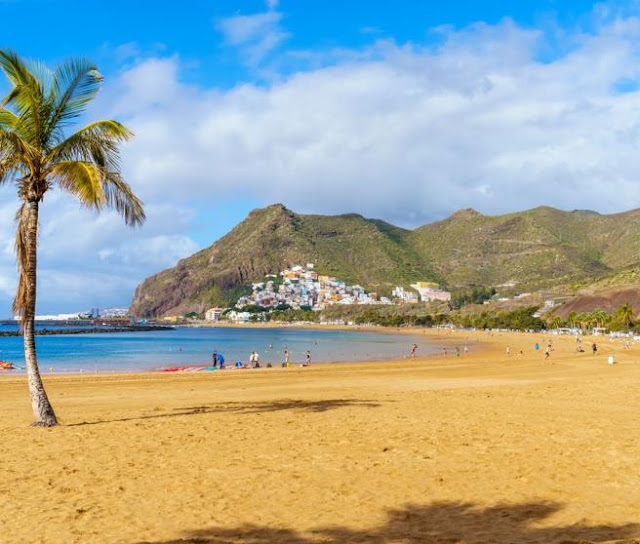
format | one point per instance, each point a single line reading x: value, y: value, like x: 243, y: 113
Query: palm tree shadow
x: 437, y: 523
x: 246, y: 408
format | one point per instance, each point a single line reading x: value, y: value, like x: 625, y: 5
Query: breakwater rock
x: 89, y: 330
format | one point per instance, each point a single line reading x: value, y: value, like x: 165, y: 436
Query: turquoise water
x: 185, y: 346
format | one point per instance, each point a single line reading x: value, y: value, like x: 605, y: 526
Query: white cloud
x: 254, y: 35
x: 408, y: 133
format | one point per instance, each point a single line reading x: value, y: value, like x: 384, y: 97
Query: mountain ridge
x: 534, y: 248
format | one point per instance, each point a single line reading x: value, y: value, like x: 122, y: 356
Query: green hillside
x: 372, y: 253
x: 531, y: 249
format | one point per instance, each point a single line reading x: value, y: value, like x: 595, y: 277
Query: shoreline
x: 481, y: 340
x: 449, y: 338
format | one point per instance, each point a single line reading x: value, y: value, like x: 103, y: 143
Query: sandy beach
x: 477, y: 449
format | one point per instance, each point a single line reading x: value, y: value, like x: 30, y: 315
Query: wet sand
x: 477, y: 449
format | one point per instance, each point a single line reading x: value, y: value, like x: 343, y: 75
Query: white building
x: 213, y: 314
x: 403, y: 295
x: 431, y: 291
x: 239, y: 317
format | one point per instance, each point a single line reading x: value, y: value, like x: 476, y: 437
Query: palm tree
x: 37, y: 154
x: 555, y: 321
x: 600, y: 317
x: 625, y: 315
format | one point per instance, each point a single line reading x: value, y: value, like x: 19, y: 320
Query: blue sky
x: 401, y: 110
x: 115, y: 32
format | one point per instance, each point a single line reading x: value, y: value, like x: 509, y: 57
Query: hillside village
x: 302, y: 288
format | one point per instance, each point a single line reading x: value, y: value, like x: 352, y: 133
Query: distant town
x: 302, y: 288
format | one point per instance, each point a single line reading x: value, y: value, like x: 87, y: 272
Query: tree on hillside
x: 599, y: 317
x: 555, y: 321
x: 37, y: 154
x: 625, y: 316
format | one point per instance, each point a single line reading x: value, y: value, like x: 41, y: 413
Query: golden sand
x: 477, y: 449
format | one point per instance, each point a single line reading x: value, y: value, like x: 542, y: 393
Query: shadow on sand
x: 246, y: 408
x: 438, y: 523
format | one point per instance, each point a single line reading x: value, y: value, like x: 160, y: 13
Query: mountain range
x: 526, y: 250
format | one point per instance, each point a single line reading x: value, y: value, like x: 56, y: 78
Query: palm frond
x: 15, y: 152
x: 82, y: 179
x: 19, y: 75
x: 75, y: 83
x: 22, y: 217
x: 97, y: 142
x: 96, y: 188
x: 26, y: 96
x: 120, y: 196
x: 8, y: 119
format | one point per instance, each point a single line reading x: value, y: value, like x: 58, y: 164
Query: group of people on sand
x: 217, y: 360
x: 548, y: 348
x: 457, y: 351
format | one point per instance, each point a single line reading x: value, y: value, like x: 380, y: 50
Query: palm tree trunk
x: 42, y: 409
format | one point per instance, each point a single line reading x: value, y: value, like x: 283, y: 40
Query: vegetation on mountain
x: 422, y: 315
x: 468, y: 253
x: 624, y: 318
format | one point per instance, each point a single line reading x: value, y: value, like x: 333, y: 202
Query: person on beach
x: 308, y: 358
x: 214, y: 359
x: 444, y: 352
x: 414, y: 348
x: 256, y: 360
x: 252, y: 358
x: 220, y: 361
x: 508, y: 351
x: 594, y: 348
x: 536, y: 346
x: 547, y: 352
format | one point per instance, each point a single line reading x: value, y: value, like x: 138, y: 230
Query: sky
x: 404, y: 111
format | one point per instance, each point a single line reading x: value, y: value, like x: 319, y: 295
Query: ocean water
x: 187, y: 346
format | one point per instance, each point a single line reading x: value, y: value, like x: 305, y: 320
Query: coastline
x: 437, y: 338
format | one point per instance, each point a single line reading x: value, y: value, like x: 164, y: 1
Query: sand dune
x: 477, y: 449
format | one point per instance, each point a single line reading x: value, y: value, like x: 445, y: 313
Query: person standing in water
x: 414, y: 348
x: 308, y: 358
